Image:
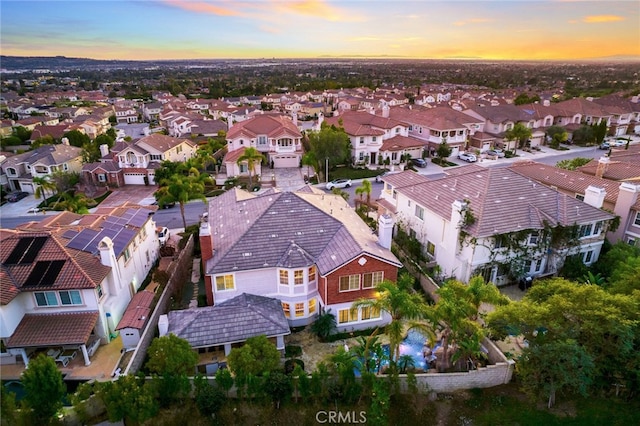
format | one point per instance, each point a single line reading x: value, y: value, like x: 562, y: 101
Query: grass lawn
x: 348, y: 173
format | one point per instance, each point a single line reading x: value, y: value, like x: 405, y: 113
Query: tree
x: 558, y: 135
x: 209, y: 399
x: 309, y: 160
x: 74, y: 201
x: 583, y: 320
x: 77, y: 138
x: 599, y: 131
x: 278, y: 385
x: 365, y: 188
x: 128, y: 399
x: 583, y: 135
x: 523, y: 99
x: 324, y: 326
x: 251, y: 156
x: 572, y: 164
x: 44, y: 184
x: 171, y: 354
x: 90, y: 153
x: 22, y: 132
x: 179, y: 188
x: 8, y: 407
x: 43, y: 140
x: 443, y: 152
x: 105, y: 139
x: 224, y: 379
x: 256, y: 357
x: 330, y: 143
x: 44, y: 388
x: 519, y: 133
x: 405, y: 306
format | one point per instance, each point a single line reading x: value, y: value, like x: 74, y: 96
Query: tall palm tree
x: 406, y: 307
x: 43, y: 186
x: 519, y: 133
x: 251, y: 156
x: 365, y: 188
x: 180, y: 188
x: 309, y: 160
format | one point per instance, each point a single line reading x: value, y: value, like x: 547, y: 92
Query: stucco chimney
x: 206, y: 241
x: 594, y: 196
x: 627, y: 197
x: 163, y: 325
x: 230, y: 122
x: 603, y: 165
x: 107, y: 255
x: 385, y: 231
x: 104, y: 150
x: 294, y: 118
x: 385, y: 111
x: 65, y: 141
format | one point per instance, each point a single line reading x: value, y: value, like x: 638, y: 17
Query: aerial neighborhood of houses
x: 275, y: 259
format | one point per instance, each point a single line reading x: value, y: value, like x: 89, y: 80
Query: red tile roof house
x: 66, y: 281
x: 368, y: 132
x: 274, y: 135
x: 310, y: 250
x: 492, y: 222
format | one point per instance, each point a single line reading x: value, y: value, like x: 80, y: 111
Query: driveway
x: 20, y: 208
x: 133, y: 194
x: 289, y: 179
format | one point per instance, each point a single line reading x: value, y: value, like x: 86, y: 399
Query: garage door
x: 26, y: 187
x: 455, y: 150
x: 283, y: 161
x: 134, y: 179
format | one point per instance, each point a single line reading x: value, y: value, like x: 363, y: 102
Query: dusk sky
x: 196, y: 29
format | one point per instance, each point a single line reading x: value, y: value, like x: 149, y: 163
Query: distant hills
x: 16, y: 63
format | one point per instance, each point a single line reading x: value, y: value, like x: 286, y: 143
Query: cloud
x: 597, y: 19
x: 365, y: 39
x: 471, y: 21
x: 203, y: 7
x: 316, y: 9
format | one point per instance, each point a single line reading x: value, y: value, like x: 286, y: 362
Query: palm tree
x: 519, y: 133
x: 309, y: 160
x: 44, y: 185
x: 405, y: 306
x: 250, y: 156
x: 405, y: 362
x: 179, y: 188
x: 365, y: 188
x: 325, y: 325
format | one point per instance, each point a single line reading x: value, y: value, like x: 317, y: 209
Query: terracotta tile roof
x: 405, y: 178
x: 616, y: 170
x: 232, y: 157
x: 438, y: 118
x: 58, y: 329
x: 161, y: 143
x: 502, y: 201
x: 137, y: 313
x: 398, y: 143
x: 271, y: 125
x: 360, y: 118
x: 569, y: 180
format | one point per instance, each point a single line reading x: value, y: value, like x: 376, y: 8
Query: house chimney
x: 385, y: 231
x: 294, y: 118
x: 104, y: 150
x: 603, y: 165
x: 206, y: 241
x: 107, y: 255
x: 163, y: 325
x: 65, y: 141
x: 594, y: 196
x: 627, y: 197
x: 230, y: 121
x: 385, y: 111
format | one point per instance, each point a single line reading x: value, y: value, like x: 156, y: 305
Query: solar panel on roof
x: 33, y: 250
x: 49, y: 278
x: 70, y: 234
x: 18, y: 251
x: 80, y: 241
x: 38, y: 271
x: 139, y: 218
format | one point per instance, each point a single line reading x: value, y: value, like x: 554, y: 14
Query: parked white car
x: 469, y: 158
x: 163, y: 235
x: 339, y: 183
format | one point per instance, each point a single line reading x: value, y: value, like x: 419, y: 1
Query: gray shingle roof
x: 234, y: 320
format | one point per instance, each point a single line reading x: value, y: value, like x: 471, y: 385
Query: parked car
x: 618, y: 142
x: 419, y: 162
x: 339, y: 183
x: 469, y: 158
x: 604, y: 145
x: 495, y: 153
x: 163, y: 235
x: 16, y: 196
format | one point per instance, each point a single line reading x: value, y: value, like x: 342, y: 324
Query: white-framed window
x: 283, y: 276
x: 637, y: 219
x: 156, y: 157
x: 244, y: 168
x: 299, y: 309
x: 536, y: 266
x: 46, y: 298
x: 102, y: 177
x: 262, y: 140
x: 350, y: 282
x: 127, y: 254
x: 369, y: 312
x: 347, y: 315
x: 375, y: 138
x: 312, y: 306
x: 431, y: 249
x: 361, y: 140
x: 372, y: 279
x: 71, y: 297
x: 588, y: 256
x: 298, y: 277
x: 533, y: 238
x: 312, y: 273
x: 394, y: 156
x: 361, y: 156
x: 11, y: 171
x: 99, y: 291
x: 225, y: 282
x: 287, y: 309
x: 419, y: 212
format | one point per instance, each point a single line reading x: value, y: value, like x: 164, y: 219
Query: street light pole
x: 326, y: 176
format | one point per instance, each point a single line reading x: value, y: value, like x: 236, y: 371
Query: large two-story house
x: 67, y: 280
x: 308, y: 249
x: 40, y: 163
x: 493, y: 222
x: 274, y: 135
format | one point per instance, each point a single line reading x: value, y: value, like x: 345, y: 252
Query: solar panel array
x: 115, y: 228
x: 26, y: 250
x: 44, y: 273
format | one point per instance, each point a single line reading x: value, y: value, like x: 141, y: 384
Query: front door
x: 373, y: 158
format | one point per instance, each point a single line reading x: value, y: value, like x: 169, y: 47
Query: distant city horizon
x: 492, y: 30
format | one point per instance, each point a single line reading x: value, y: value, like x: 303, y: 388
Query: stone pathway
x: 195, y: 279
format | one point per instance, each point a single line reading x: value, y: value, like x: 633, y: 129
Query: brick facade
x: 334, y: 295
